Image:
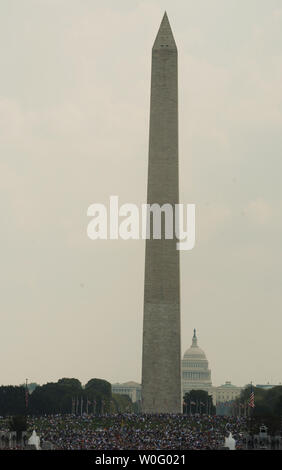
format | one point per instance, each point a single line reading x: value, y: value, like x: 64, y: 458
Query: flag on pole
x: 88, y: 404
x: 26, y: 394
x: 26, y: 397
x: 252, y: 399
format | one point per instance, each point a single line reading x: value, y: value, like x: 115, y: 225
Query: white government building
x: 195, y: 374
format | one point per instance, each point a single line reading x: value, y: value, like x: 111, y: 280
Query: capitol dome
x: 195, y: 372
x: 194, y: 351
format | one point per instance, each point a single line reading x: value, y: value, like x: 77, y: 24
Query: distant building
x: 227, y: 392
x: 132, y: 389
x: 196, y: 375
x: 195, y: 371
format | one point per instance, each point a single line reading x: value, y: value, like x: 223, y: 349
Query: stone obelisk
x: 161, y: 379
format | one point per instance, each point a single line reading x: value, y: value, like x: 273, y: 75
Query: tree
x: 198, y: 401
x: 55, y: 397
x: 101, y: 391
x: 268, y: 407
x: 12, y: 400
x: 19, y: 424
x: 72, y: 385
x: 122, y: 403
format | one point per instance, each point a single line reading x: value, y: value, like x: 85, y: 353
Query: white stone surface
x: 161, y: 377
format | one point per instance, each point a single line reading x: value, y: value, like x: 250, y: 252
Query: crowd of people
x: 140, y: 432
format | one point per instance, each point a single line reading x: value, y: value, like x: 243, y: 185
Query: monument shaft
x: 161, y: 377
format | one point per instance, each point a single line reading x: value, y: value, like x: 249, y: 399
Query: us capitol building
x: 196, y: 375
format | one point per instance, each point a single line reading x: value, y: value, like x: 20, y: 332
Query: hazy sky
x: 74, y: 120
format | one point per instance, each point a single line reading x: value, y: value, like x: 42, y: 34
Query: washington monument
x: 161, y: 378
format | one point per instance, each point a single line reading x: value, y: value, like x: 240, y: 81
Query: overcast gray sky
x: 74, y: 119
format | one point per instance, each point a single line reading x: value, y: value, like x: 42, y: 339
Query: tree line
x: 65, y: 396
x: 267, y: 407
